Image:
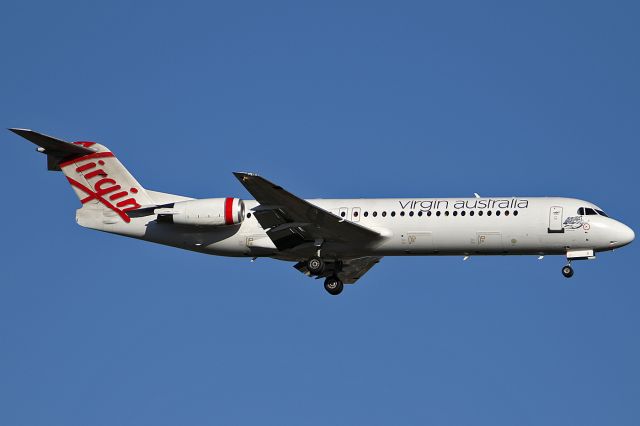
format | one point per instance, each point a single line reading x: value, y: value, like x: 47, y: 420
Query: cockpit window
x: 588, y: 211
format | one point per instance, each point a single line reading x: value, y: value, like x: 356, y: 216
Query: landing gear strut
x: 315, y: 265
x: 567, y: 271
x: 333, y: 285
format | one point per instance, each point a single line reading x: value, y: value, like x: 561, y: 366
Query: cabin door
x: 555, y: 219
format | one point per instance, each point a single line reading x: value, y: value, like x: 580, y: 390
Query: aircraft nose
x: 623, y: 234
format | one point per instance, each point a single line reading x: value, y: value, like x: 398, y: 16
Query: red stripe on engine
x: 228, y: 211
x: 87, y: 157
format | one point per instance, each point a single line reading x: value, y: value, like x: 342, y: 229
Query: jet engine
x: 205, y: 212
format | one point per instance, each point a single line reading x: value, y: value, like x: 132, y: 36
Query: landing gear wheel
x: 333, y: 285
x: 567, y: 271
x: 315, y: 265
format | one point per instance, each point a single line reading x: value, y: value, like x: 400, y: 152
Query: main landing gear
x: 333, y: 285
x: 567, y: 271
x: 319, y: 268
x: 315, y: 265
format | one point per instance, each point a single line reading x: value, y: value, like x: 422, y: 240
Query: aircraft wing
x: 351, y: 270
x: 291, y: 221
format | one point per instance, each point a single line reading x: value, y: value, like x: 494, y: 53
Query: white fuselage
x: 408, y: 226
x: 338, y: 239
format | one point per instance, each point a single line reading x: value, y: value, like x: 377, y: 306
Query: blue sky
x: 329, y: 99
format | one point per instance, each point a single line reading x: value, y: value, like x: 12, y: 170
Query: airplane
x: 335, y: 239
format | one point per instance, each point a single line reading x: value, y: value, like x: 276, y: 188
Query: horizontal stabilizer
x: 52, y: 144
x: 56, y: 149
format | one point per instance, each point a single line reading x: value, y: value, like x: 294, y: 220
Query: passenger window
x: 455, y: 213
x: 375, y: 214
x: 515, y: 212
x: 355, y: 214
x: 384, y: 214
x: 342, y: 214
x: 471, y: 213
x: 420, y: 213
x: 411, y: 213
x: 429, y: 213
x: 480, y: 213
x: 366, y: 214
x: 446, y: 213
x: 438, y: 213
x: 401, y: 213
x: 506, y: 212
x: 462, y: 213
x: 393, y: 214
x: 498, y: 213
x: 489, y: 213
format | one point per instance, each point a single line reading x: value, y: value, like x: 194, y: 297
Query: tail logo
x: 103, y: 188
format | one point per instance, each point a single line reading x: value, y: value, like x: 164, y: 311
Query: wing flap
x: 269, y: 218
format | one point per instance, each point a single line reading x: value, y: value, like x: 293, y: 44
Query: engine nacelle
x: 206, y: 212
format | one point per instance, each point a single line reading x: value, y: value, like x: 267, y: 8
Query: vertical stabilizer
x: 98, y: 178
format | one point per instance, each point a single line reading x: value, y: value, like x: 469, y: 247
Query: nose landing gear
x: 567, y: 271
x: 576, y: 254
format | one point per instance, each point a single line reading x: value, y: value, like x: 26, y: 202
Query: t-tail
x: 98, y: 178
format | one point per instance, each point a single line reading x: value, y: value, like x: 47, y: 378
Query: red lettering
x: 95, y: 173
x: 86, y: 167
x: 94, y: 196
x: 103, y: 191
x: 86, y: 157
x: 119, y: 195
x: 131, y: 202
